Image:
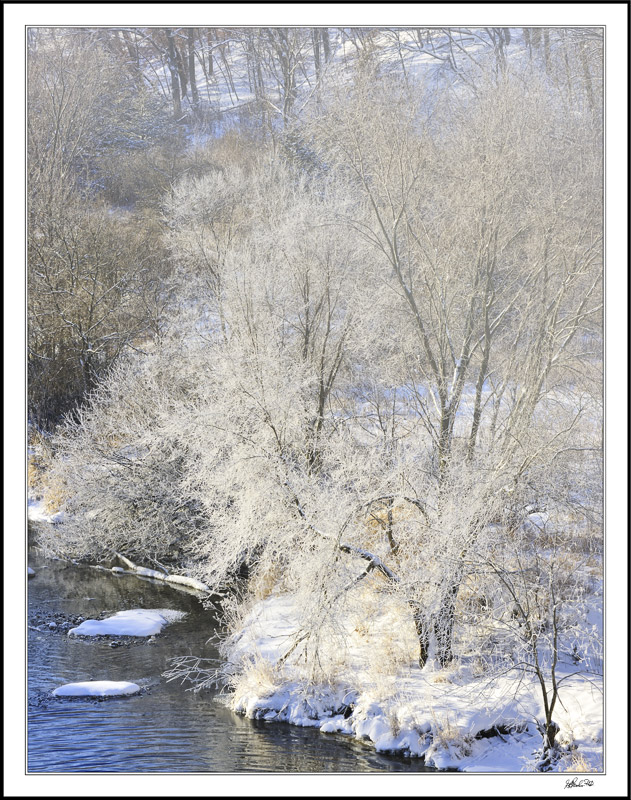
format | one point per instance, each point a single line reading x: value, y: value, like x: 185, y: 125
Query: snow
x: 37, y: 513
x: 149, y: 573
x: 30, y: 571
x: 227, y: 93
x: 180, y: 580
x: 444, y: 716
x: 97, y: 689
x: 184, y: 580
x: 135, y: 622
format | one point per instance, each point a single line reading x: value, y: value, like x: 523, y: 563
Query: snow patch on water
x: 97, y: 689
x: 135, y: 622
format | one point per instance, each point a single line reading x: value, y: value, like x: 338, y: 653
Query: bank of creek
x: 164, y: 728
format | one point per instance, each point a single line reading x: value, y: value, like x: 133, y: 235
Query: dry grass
x: 258, y: 678
x: 41, y: 477
x: 55, y: 494
x: 35, y: 475
x: 38, y: 462
x: 441, y: 677
x: 386, y: 639
x: 576, y: 762
x: 265, y: 581
x: 447, y: 736
x: 394, y: 722
x: 479, y: 667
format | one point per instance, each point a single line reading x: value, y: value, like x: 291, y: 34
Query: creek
x: 164, y: 728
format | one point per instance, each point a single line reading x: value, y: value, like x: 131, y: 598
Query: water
x: 166, y: 728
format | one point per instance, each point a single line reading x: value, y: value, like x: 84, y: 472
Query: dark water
x: 166, y: 728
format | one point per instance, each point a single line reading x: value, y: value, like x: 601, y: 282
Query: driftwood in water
x: 183, y: 580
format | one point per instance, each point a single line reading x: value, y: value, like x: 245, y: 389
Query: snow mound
x: 135, y: 622
x: 97, y: 689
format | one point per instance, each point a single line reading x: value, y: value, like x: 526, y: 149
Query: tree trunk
x: 549, y: 732
x: 443, y: 625
x: 422, y: 632
x: 587, y: 74
x: 133, y: 53
x: 324, y: 34
x: 175, y: 81
x: 482, y: 374
x: 179, y: 61
x: 546, y: 48
x: 440, y: 624
x: 316, y: 52
x: 191, y: 66
x: 210, y: 51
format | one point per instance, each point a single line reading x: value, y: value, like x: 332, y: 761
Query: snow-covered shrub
x: 123, y: 465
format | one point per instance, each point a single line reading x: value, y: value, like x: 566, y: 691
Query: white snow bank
x: 444, y: 716
x: 135, y: 622
x: 97, y: 689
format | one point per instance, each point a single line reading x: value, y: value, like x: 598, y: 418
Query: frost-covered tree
x: 483, y: 212
x: 94, y: 275
x: 264, y: 349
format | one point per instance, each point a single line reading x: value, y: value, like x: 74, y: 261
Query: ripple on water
x: 164, y: 729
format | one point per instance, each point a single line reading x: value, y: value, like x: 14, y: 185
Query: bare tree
x: 190, y: 41
x: 89, y: 271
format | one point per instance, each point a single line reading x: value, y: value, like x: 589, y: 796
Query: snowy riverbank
x: 454, y: 718
x: 36, y: 512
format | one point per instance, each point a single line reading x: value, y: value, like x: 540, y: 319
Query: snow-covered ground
x: 37, y: 512
x: 231, y: 85
x: 97, y: 689
x: 135, y: 622
x: 450, y: 716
